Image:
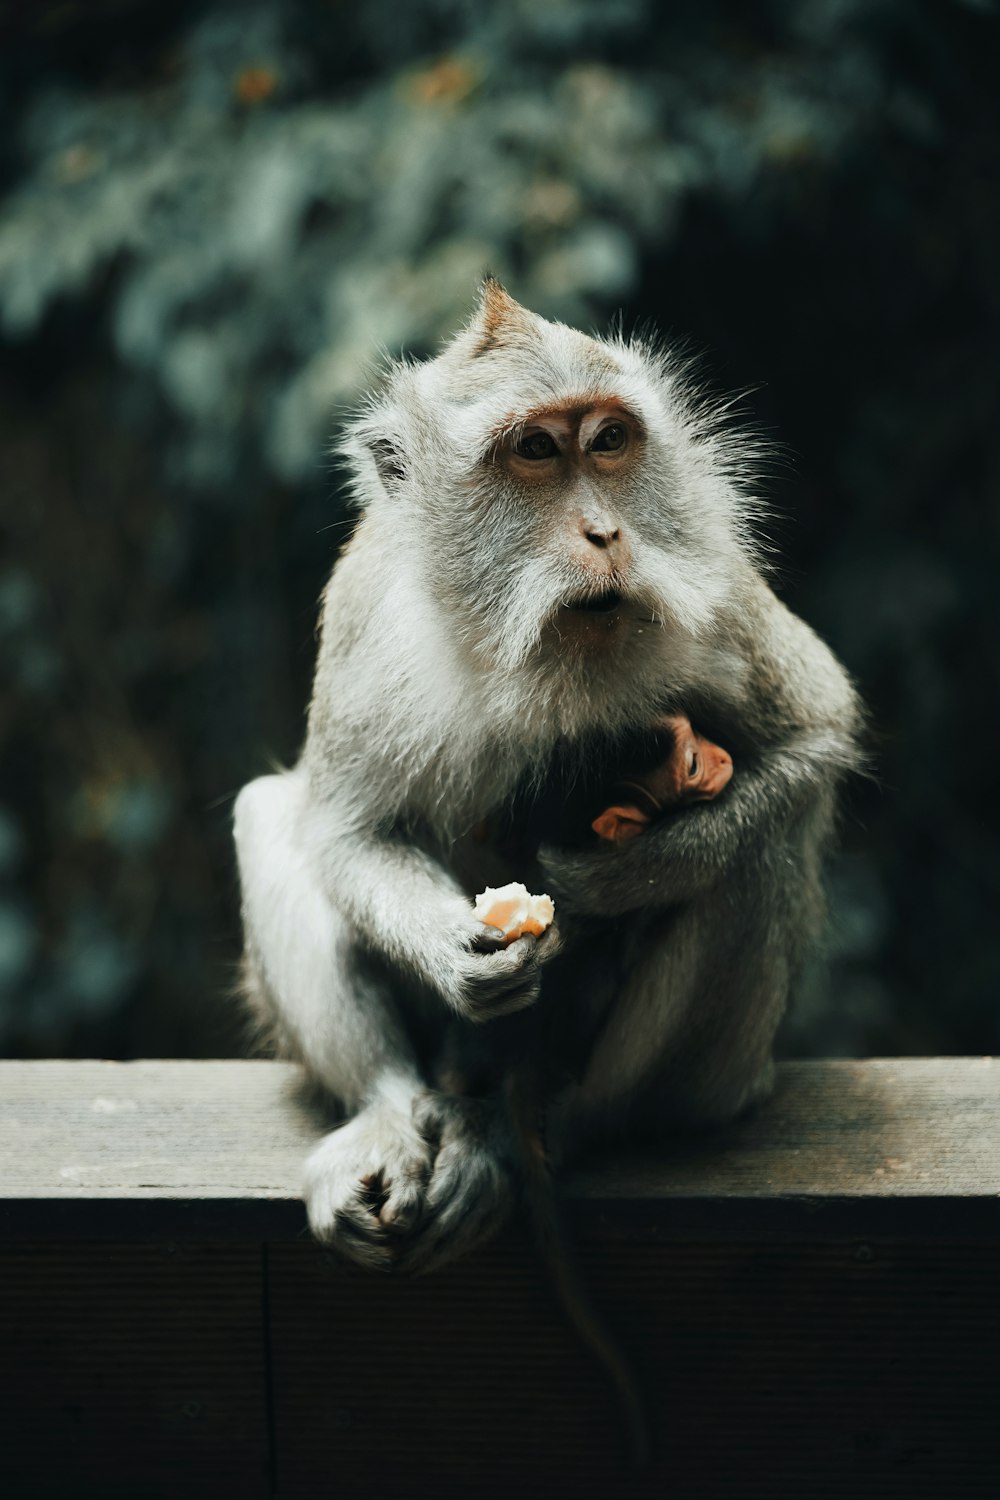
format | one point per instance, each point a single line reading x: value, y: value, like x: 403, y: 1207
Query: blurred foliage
x: 214, y: 216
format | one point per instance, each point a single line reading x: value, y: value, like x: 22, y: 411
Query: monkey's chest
x: 560, y: 806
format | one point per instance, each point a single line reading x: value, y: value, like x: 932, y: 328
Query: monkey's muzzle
x: 597, y: 604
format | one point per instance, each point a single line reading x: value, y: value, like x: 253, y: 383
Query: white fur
x: 448, y: 674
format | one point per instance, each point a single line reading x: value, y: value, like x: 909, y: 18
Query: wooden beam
x: 810, y: 1299
x: 198, y: 1148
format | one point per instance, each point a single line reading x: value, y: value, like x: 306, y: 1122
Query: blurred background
x: 212, y: 218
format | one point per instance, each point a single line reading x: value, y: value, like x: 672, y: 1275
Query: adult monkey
x: 555, y: 550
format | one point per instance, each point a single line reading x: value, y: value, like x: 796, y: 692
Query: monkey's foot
x: 365, y: 1182
x: 471, y: 1187
x: 411, y: 1188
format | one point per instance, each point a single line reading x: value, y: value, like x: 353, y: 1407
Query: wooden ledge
x: 809, y: 1300
x: 206, y: 1149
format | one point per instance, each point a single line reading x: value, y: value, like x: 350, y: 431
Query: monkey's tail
x: 559, y: 1258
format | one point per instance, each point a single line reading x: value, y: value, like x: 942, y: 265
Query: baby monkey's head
x: 570, y: 506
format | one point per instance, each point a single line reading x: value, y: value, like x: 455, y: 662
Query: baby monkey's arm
x: 696, y: 770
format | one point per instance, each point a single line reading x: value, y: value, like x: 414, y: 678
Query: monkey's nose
x: 601, y: 535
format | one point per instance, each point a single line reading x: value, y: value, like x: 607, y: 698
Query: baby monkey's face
x: 696, y: 771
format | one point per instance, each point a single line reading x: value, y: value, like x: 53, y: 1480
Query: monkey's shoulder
x: 791, y: 679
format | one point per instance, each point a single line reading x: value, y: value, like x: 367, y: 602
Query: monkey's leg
x: 331, y: 1008
x: 689, y: 1036
x: 411, y: 1174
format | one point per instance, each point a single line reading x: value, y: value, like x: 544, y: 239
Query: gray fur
x: 448, y: 672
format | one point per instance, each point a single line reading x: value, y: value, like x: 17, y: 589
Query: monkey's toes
x: 364, y: 1186
x: 372, y: 1224
x: 395, y: 1207
x: 373, y: 1192
x: 469, y: 1194
x: 399, y: 1207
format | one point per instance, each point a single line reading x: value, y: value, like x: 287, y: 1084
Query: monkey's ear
x: 390, y: 461
x: 619, y: 825
x: 499, y: 320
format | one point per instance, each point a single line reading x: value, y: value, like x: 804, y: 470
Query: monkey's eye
x: 692, y: 765
x: 610, y: 439
x: 536, y: 445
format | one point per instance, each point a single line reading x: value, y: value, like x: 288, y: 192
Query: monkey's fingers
x: 488, y: 940
x: 548, y: 945
x: 497, y: 984
x: 501, y: 1002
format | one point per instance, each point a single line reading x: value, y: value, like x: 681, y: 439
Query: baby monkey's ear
x: 621, y: 823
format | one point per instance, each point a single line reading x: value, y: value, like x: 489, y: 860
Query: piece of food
x: 514, y: 910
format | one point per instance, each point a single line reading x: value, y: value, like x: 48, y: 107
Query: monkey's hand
x: 485, y: 980
x: 406, y: 907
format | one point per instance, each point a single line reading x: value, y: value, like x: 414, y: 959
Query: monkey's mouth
x: 597, y: 604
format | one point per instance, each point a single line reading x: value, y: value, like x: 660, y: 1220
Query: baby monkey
x: 696, y: 770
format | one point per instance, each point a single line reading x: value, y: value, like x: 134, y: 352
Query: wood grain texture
x: 216, y: 1149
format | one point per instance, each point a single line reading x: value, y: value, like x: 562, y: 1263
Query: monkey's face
x: 568, y: 468
x: 556, y: 486
x: 578, y: 538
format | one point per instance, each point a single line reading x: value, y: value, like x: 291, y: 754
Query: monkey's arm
x: 679, y: 857
x: 392, y: 887
x: 406, y: 907
x: 801, y: 712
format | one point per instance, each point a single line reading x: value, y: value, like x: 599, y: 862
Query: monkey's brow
x: 573, y: 412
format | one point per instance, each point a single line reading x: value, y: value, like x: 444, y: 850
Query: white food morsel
x: 514, y: 910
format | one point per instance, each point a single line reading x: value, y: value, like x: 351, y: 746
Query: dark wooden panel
x: 196, y: 1149
x: 775, y: 1372
x: 133, y: 1371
